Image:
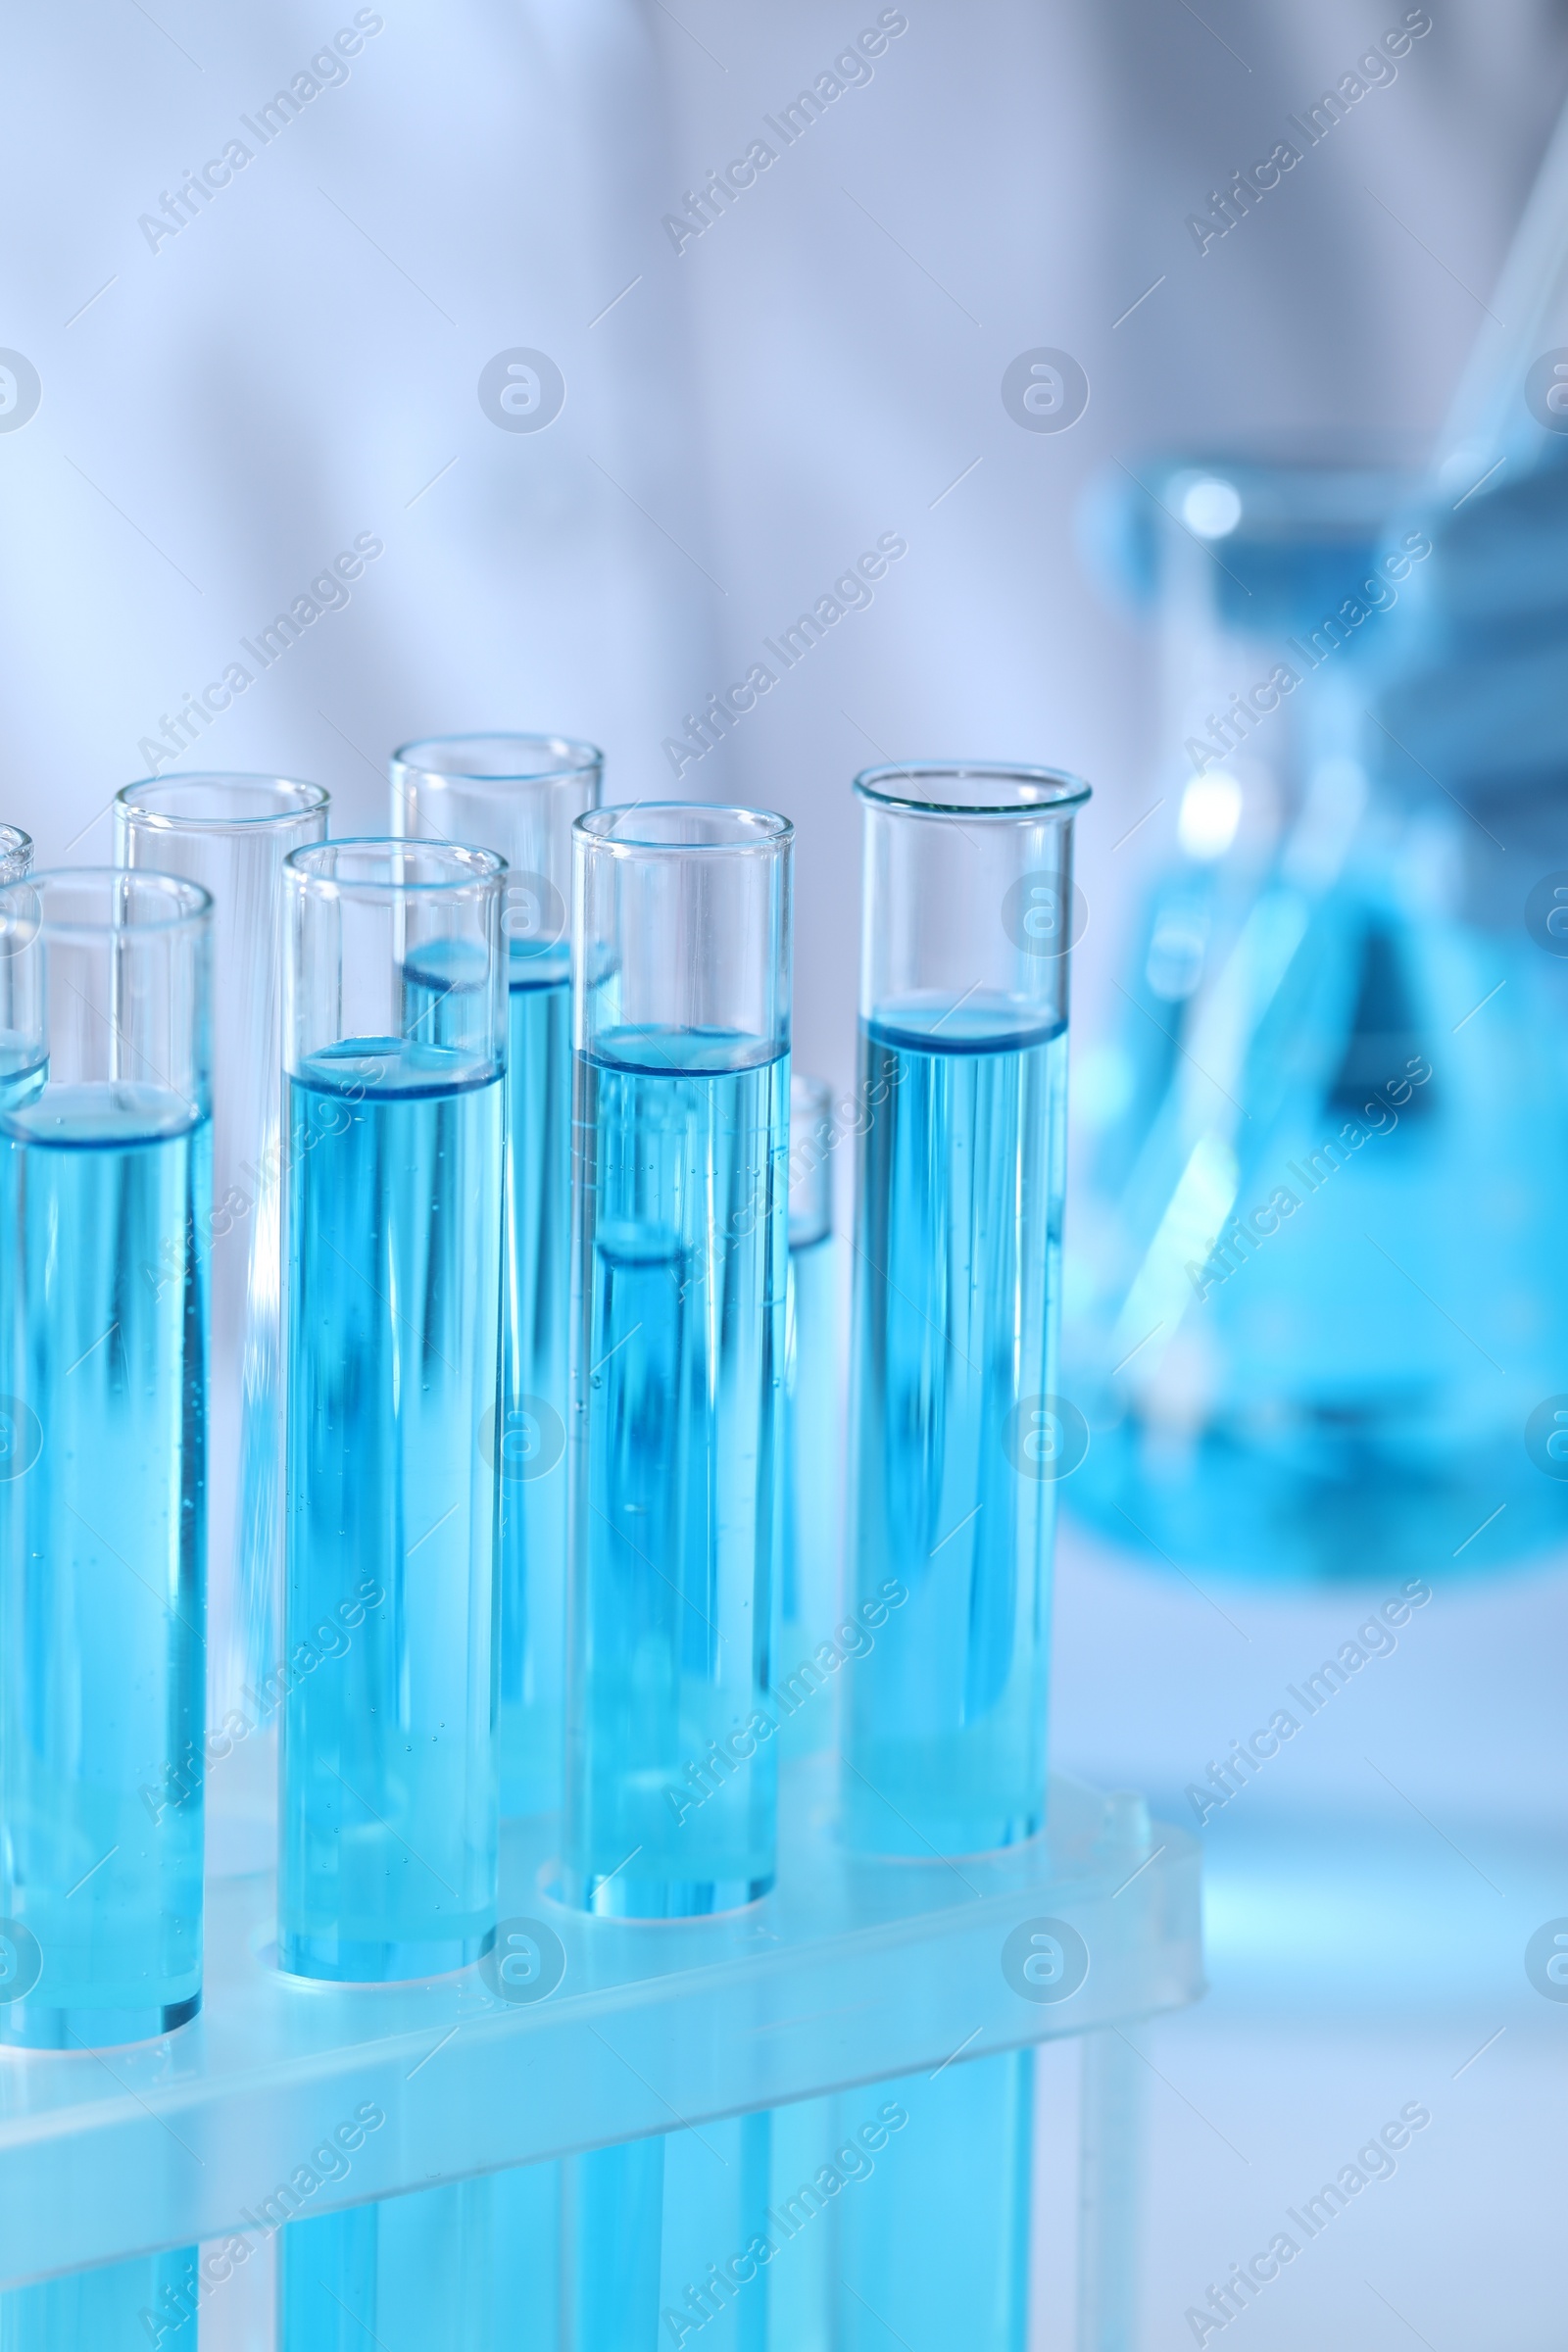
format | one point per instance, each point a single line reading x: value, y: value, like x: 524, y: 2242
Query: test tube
x: 232, y: 834
x: 958, y: 1433
x: 521, y: 795
x: 470, y: 2263
x: 680, y: 977
x: 813, y: 1420
x: 105, y: 1186
x: 16, y: 853
x: 114, y: 2307
x: 394, y: 1054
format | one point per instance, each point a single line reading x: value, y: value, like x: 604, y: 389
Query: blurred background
x: 1018, y: 304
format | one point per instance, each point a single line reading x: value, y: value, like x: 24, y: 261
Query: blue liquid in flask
x: 104, y: 1190
x: 678, y: 1412
x: 957, y: 1276
x: 389, y: 1832
x: 1317, y: 1275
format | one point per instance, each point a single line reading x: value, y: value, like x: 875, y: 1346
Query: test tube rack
x: 852, y: 1971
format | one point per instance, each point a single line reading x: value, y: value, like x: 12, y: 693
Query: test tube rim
x: 312, y: 801
x: 1063, y: 791
x: 770, y: 834
x: 568, y: 763
x: 479, y: 871
x: 192, y: 904
x: 1372, y: 484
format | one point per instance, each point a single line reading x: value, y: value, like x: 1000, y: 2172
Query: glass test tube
x: 394, y: 1052
x: 681, y: 973
x: 956, y: 1433
x: 105, y: 1186
x: 232, y: 834
x: 521, y: 795
x: 115, y: 2307
x: 469, y: 2263
x: 18, y: 979
x: 813, y: 1420
x: 933, y: 2248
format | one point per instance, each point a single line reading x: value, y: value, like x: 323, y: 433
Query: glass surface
x: 521, y: 795
x: 230, y: 834
x: 105, y: 1182
x: 1318, y: 1273
x: 393, y: 1258
x: 967, y: 930
x: 680, y: 1294
x: 16, y: 853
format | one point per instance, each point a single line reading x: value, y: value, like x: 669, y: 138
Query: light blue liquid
x: 472, y: 2265
x: 526, y: 1441
x: 812, y: 1449
x: 1368, y: 1304
x: 118, y: 2307
x: 104, y: 1189
x: 802, y: 2277
x: 678, y: 1429
x: 601, y: 2252
x: 536, y: 1306
x: 612, y: 2235
x: 933, y: 2247
x: 716, y: 2186
x: 956, y: 1286
x: 389, y: 1788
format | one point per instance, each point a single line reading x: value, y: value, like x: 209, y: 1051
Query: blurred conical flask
x: 1316, y: 1265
